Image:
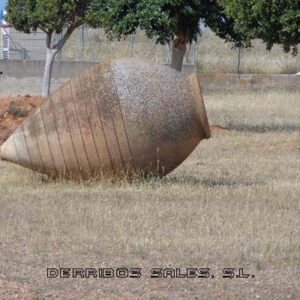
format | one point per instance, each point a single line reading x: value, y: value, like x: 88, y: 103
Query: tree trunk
x: 51, y: 52
x: 48, y: 71
x: 178, y: 52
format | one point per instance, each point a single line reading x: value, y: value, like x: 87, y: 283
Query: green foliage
x: 50, y: 15
x: 274, y: 21
x: 165, y: 19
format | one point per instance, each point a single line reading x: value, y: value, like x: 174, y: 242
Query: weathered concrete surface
x: 119, y: 118
x: 12, y: 86
x: 35, y: 68
x: 21, y: 78
x: 61, y: 69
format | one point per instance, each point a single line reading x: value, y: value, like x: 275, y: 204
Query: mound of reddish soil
x: 13, y: 110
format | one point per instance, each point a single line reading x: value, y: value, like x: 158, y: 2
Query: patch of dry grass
x: 255, y: 111
x: 233, y: 203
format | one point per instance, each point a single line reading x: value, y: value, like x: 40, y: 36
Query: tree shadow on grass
x: 169, y: 180
x: 211, y: 182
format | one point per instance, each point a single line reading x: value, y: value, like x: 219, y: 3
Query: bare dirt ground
x: 233, y: 203
x: 13, y: 110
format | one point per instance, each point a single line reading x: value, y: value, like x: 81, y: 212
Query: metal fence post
x: 194, y: 53
x: 239, y: 61
x: 81, y: 41
x: 23, y: 54
x: 131, y: 45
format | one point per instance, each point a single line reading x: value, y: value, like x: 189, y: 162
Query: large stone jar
x: 119, y: 118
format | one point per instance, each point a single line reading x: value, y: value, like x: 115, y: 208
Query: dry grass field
x: 233, y: 203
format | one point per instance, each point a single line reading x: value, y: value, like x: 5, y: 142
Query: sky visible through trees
x: 2, y: 4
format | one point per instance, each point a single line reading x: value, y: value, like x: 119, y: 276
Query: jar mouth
x: 199, y: 105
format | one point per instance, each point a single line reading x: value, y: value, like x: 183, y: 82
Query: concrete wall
x: 20, y: 78
x: 61, y: 69
x: 25, y: 77
x: 35, y: 68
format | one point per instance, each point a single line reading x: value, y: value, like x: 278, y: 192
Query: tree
x: 175, y: 21
x: 52, y: 17
x: 274, y: 22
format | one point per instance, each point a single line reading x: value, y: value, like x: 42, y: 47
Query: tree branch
x: 44, y: 30
x: 65, y: 37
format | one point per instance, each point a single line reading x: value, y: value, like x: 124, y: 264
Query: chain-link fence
x: 87, y: 44
x: 209, y: 53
